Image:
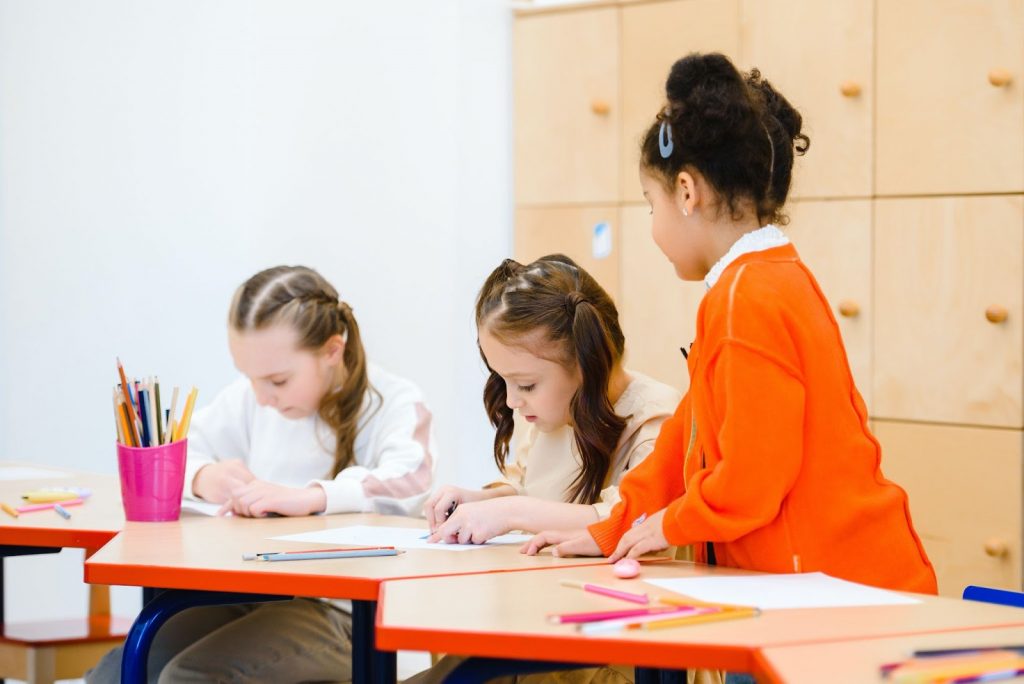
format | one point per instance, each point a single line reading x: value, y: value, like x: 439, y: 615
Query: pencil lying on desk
x: 607, y: 591
x: 317, y: 555
x: 259, y: 554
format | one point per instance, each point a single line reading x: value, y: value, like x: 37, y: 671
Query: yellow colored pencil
x: 9, y: 510
x: 172, y: 423
x: 186, y: 414
x: 696, y: 619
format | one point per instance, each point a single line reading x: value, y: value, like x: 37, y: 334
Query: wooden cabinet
x: 834, y: 240
x: 943, y: 268
x: 965, y: 491
x: 587, y: 234
x: 658, y: 311
x: 567, y: 107
x: 823, y: 66
x: 654, y: 36
x: 950, y: 96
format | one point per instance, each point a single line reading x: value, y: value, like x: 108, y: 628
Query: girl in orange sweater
x: 768, y: 463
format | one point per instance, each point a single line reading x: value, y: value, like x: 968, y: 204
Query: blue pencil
x: 142, y: 414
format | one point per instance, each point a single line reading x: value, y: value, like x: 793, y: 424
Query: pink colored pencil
x: 608, y: 591
x: 29, y: 508
x: 572, y: 618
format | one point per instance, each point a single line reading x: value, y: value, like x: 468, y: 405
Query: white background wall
x: 155, y: 154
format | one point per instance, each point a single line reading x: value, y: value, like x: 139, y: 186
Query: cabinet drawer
x: 965, y: 489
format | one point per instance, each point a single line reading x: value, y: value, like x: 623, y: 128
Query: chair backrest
x: 989, y: 595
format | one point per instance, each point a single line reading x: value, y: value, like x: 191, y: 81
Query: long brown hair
x: 579, y: 321
x: 302, y: 299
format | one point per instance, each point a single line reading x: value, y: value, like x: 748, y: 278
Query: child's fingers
x: 540, y: 541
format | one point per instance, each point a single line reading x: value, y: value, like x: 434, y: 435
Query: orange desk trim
x: 312, y: 586
x: 53, y: 538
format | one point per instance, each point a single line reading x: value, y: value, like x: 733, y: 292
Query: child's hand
x: 644, y: 538
x: 446, y: 498
x: 216, y: 481
x: 257, y: 498
x: 475, y: 522
x: 564, y: 542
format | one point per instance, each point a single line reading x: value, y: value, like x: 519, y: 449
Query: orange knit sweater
x: 769, y: 455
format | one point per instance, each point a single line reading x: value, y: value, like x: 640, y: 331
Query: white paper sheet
x: 399, y: 537
x: 199, y: 507
x: 8, y: 473
x: 804, y: 590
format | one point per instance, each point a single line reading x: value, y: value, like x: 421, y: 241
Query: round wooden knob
x: 1000, y: 78
x: 849, y: 88
x: 600, y: 107
x: 849, y: 308
x: 996, y: 314
x: 996, y: 548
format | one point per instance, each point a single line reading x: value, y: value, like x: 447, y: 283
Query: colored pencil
x: 32, y: 508
x: 259, y: 554
x: 61, y: 512
x: 607, y: 591
x: 159, y: 414
x: 575, y: 618
x: 9, y: 510
x: 186, y: 414
x: 128, y: 400
x: 701, y: 618
x: 317, y: 555
x: 147, y: 440
x: 172, y: 423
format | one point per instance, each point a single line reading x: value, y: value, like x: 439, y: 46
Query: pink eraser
x: 626, y: 568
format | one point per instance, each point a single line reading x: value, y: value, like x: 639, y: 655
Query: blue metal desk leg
x: 369, y: 666
x: 479, y: 670
x: 166, y: 605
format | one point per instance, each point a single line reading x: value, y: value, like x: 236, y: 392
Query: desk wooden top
x: 206, y: 553
x: 91, y: 525
x: 504, y: 617
x: 858, y: 662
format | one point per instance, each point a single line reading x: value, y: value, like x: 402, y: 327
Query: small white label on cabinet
x: 601, y: 242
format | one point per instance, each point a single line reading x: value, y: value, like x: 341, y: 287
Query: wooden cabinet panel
x: 823, y: 67
x: 942, y: 126
x: 965, y: 489
x: 942, y: 266
x: 654, y: 36
x: 571, y: 231
x: 834, y: 240
x: 658, y: 311
x: 567, y: 107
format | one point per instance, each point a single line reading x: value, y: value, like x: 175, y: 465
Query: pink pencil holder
x: 152, y: 479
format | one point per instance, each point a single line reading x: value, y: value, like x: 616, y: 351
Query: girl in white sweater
x: 312, y: 428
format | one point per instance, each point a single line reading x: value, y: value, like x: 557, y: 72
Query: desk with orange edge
x: 504, y: 617
x: 204, y: 554
x: 859, y: 661
x: 91, y: 525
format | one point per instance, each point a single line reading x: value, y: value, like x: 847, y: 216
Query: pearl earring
x: 685, y: 213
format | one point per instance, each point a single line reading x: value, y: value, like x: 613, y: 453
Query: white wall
x: 155, y: 154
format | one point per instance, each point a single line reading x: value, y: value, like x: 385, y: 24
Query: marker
x: 61, y: 511
x: 8, y: 510
x: 47, y: 506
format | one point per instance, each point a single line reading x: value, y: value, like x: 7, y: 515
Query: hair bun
x: 695, y: 73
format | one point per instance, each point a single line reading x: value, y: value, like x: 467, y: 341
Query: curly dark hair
x: 721, y: 123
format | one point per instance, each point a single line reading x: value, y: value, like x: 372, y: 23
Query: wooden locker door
x: 566, y: 121
x: 943, y: 267
x: 654, y: 36
x: 658, y: 310
x: 834, y: 240
x: 964, y: 486
x: 571, y: 231
x: 823, y: 67
x: 943, y: 127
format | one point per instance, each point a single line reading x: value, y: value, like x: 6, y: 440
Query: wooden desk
x: 92, y: 524
x: 502, y: 616
x: 858, y: 662
x: 202, y: 554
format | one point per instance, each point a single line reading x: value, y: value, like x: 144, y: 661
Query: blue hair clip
x: 665, y: 144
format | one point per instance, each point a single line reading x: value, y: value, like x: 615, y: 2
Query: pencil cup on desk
x: 152, y: 479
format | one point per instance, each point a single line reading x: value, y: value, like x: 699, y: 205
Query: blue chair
x: 989, y: 595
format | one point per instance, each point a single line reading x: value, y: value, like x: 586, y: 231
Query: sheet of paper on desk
x: 803, y: 590
x: 8, y: 473
x: 399, y: 537
x: 199, y: 507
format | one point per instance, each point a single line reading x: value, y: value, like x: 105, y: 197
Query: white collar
x: 755, y: 241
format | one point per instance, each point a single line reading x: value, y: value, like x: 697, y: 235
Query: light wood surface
x: 570, y: 231
x: 939, y: 264
x: 828, y: 49
x: 504, y: 616
x: 658, y: 311
x: 964, y: 486
x: 562, y: 64
x: 834, y: 240
x: 91, y: 525
x: 206, y: 553
x: 858, y: 662
x: 942, y: 126
x: 654, y: 36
